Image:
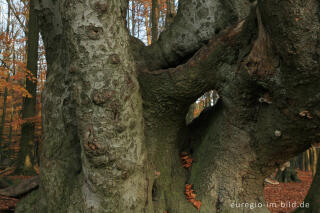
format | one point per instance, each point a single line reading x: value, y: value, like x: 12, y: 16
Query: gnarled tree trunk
x: 114, y: 111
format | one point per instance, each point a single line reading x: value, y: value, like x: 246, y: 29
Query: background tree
x: 26, y: 158
x: 13, y: 77
x: 171, y: 12
x: 6, y: 54
x: 155, y: 19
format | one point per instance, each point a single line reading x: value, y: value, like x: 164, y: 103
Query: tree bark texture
x: 114, y: 110
x: 171, y: 12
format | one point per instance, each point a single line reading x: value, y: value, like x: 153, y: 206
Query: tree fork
x: 264, y: 116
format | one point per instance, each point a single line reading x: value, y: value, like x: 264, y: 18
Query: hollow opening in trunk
x: 205, y: 101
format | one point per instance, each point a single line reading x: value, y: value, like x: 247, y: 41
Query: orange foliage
x: 13, y: 75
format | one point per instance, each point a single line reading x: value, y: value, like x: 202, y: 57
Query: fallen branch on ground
x: 23, y: 187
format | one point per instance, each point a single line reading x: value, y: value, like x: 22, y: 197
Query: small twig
x: 17, y: 17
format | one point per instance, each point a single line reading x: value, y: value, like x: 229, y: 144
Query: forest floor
x: 281, y: 198
x: 283, y: 193
x: 8, y: 204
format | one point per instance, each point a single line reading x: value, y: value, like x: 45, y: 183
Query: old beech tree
x: 114, y: 110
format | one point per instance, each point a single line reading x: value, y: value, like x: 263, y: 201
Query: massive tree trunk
x: 114, y: 111
x: 26, y: 157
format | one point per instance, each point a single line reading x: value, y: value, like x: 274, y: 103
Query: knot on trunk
x: 94, y: 32
x: 100, y: 97
x: 114, y: 59
x: 91, y: 145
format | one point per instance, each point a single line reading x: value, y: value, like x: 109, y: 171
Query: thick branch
x: 209, y: 66
x: 195, y: 24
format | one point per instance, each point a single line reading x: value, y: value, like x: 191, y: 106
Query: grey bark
x: 195, y: 24
x: 121, y: 153
x: 171, y: 12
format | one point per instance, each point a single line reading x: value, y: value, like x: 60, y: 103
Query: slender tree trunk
x: 133, y: 18
x: 147, y: 23
x: 5, y: 94
x: 138, y: 21
x: 155, y: 15
x: 4, y: 112
x: 13, y: 106
x: 26, y: 159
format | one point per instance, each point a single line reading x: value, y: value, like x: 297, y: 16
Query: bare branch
x: 202, y: 72
x: 17, y: 17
